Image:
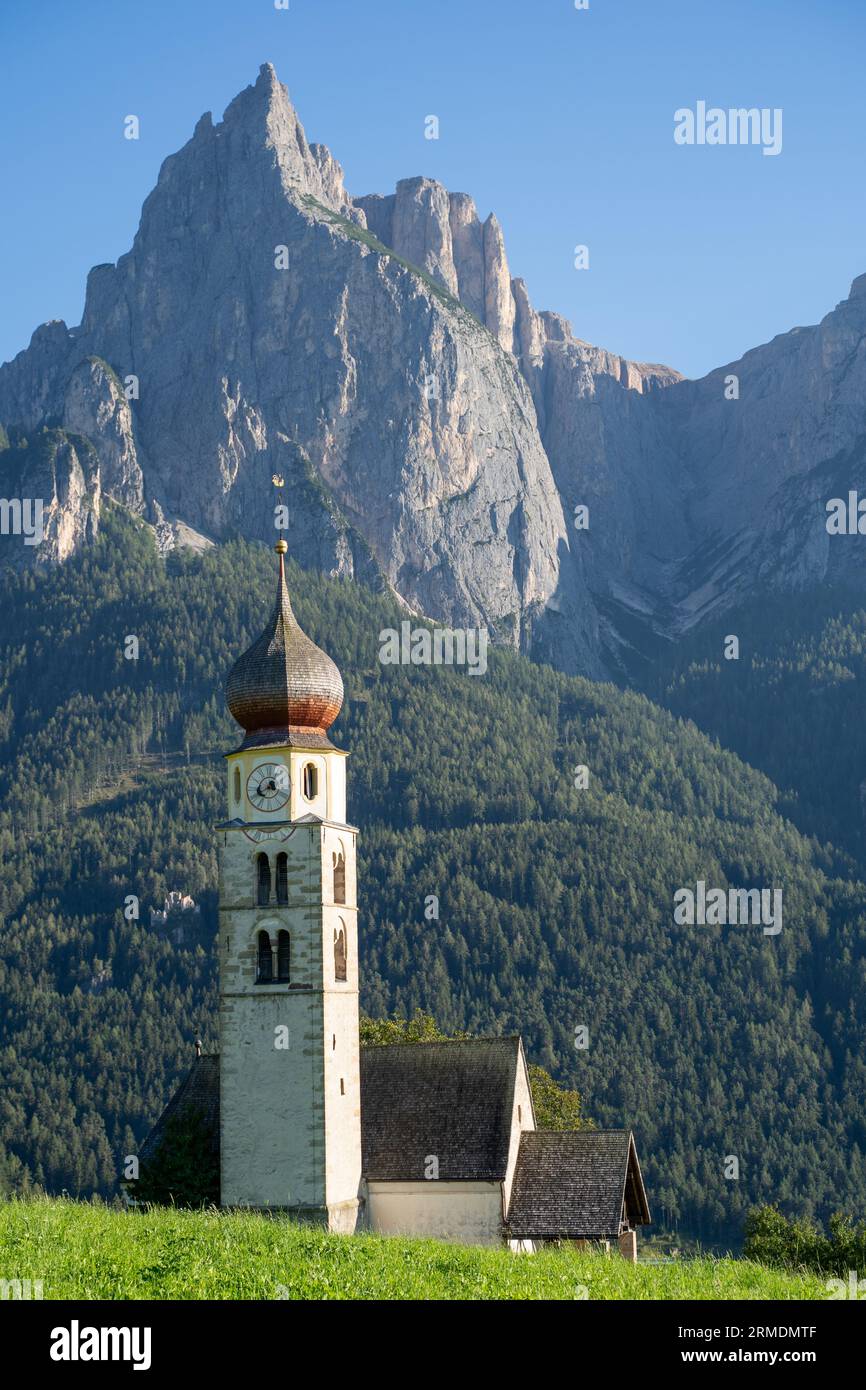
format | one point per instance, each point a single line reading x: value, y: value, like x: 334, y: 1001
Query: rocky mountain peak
x: 434, y: 428
x: 261, y: 127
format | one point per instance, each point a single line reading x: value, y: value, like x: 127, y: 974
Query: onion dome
x: 284, y: 689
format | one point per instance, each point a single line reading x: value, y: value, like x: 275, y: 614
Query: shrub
x: 772, y: 1239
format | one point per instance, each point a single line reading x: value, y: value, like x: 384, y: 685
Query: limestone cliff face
x: 770, y: 460
x: 60, y: 472
x: 95, y: 405
x: 431, y: 424
x: 696, y: 498
x: 441, y: 232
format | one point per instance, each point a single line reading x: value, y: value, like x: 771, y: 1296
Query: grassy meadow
x: 91, y: 1251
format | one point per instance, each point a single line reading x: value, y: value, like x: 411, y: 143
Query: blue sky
x: 561, y: 121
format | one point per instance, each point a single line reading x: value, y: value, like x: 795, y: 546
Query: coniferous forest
x: 496, y: 892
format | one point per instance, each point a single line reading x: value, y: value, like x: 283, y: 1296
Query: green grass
x: 90, y: 1251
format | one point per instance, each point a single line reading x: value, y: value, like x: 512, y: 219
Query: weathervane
x: 281, y: 517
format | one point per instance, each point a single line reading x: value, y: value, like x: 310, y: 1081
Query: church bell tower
x: 290, y: 1109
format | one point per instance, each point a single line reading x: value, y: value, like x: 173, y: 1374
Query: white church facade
x: 433, y: 1139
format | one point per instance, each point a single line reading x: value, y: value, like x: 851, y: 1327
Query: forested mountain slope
x: 555, y: 905
x: 790, y: 704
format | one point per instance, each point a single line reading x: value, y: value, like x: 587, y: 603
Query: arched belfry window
x: 264, y: 880
x: 339, y: 875
x: 310, y: 781
x: 340, y: 953
x: 237, y: 785
x: 264, y: 960
x: 284, y: 956
x: 282, y: 878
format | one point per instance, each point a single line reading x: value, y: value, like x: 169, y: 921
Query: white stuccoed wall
x: 468, y: 1212
x: 522, y: 1118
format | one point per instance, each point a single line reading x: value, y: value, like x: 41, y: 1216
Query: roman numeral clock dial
x: 268, y: 786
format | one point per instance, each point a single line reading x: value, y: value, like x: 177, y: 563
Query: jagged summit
x: 262, y: 120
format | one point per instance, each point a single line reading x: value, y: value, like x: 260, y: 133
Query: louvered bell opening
x: 264, y: 960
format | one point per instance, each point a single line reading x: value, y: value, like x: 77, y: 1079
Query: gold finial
x: 281, y: 546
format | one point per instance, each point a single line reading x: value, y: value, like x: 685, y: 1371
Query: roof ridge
x: 442, y: 1042
x: 585, y: 1129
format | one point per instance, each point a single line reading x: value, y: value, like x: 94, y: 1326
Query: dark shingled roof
x: 572, y: 1185
x: 199, y: 1090
x: 453, y: 1100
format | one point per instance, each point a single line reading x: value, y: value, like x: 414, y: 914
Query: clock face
x: 268, y: 786
x: 257, y: 835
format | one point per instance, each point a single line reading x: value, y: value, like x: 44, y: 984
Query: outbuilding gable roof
x: 576, y: 1185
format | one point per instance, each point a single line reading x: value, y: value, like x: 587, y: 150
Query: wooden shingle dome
x: 284, y: 689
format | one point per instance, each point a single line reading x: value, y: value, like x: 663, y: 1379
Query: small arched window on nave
x: 339, y: 875
x: 340, y: 952
x: 284, y: 957
x: 282, y: 878
x: 264, y: 960
x: 264, y: 880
